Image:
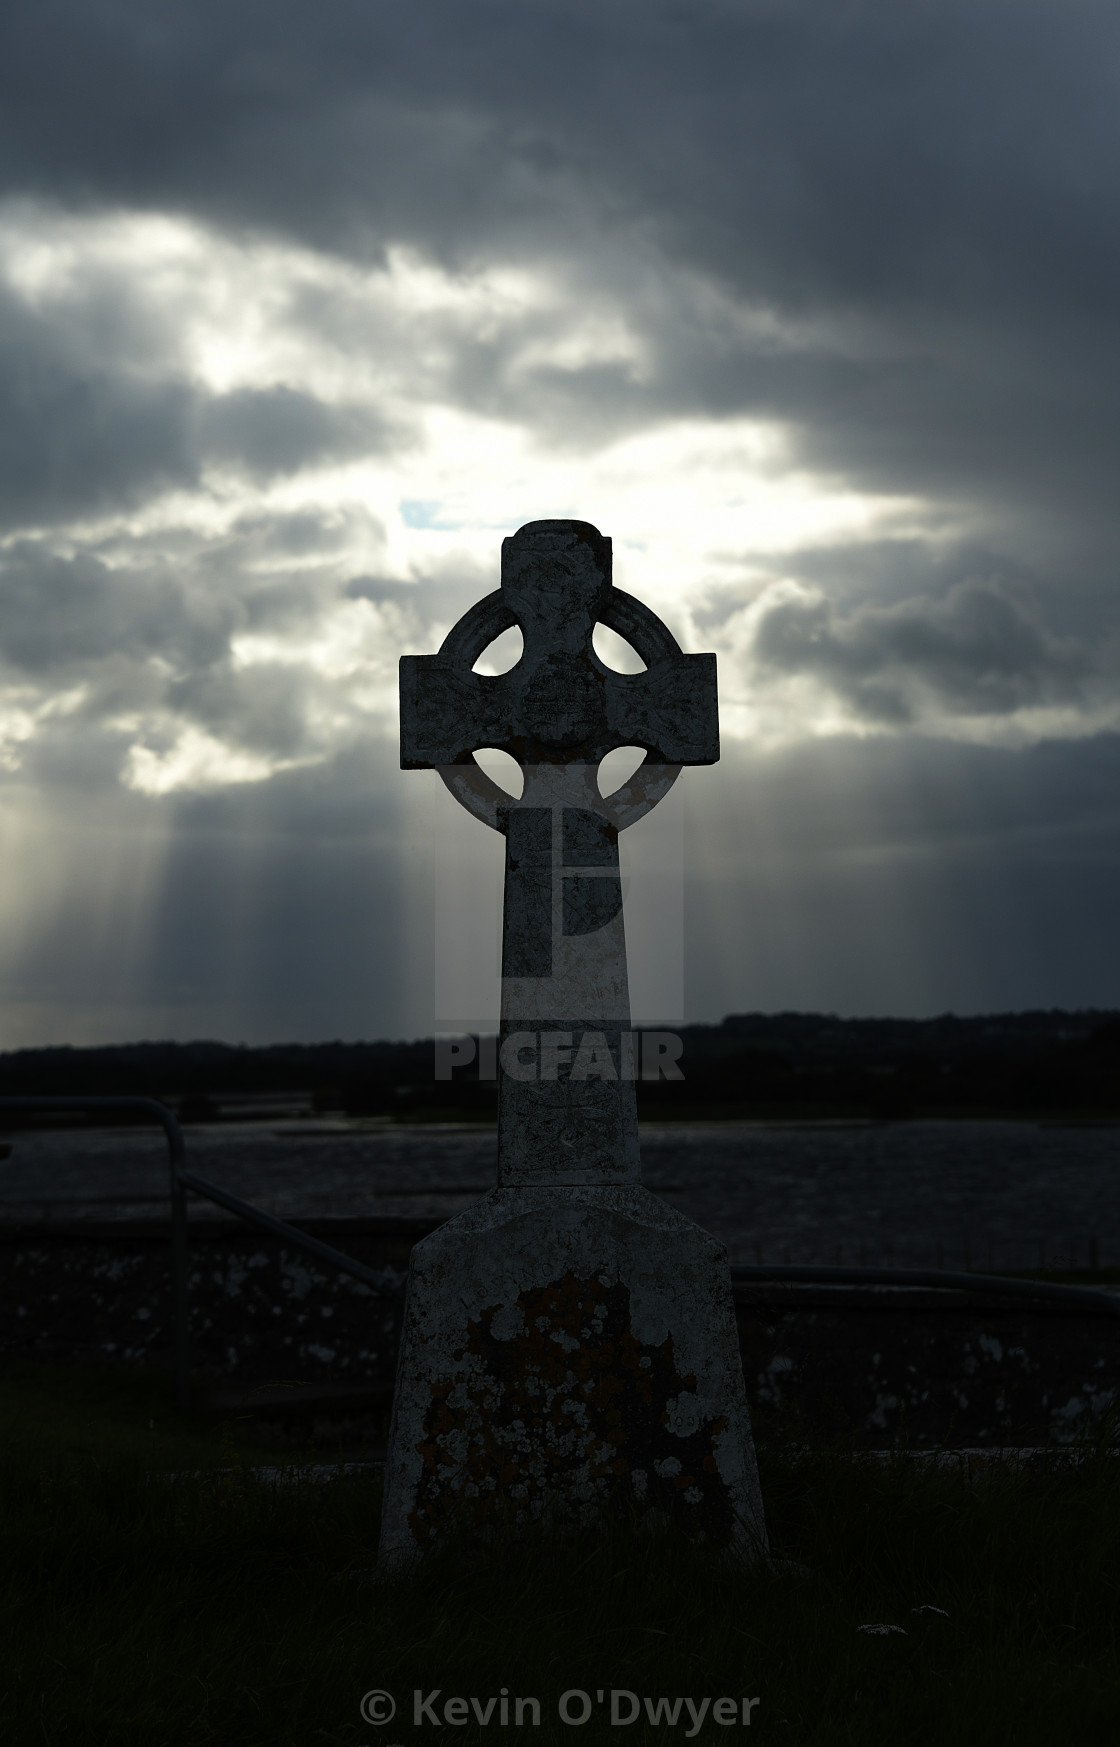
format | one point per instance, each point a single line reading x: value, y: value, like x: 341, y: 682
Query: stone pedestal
x: 565, y: 1350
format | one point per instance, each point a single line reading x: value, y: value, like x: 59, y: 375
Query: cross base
x: 564, y: 1351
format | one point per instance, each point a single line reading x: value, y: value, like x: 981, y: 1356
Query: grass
x: 141, y: 1609
x: 105, y: 1412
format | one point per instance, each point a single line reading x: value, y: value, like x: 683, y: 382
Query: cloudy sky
x: 813, y: 307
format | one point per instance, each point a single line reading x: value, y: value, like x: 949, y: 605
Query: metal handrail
x: 385, y: 1285
x: 1088, y: 1297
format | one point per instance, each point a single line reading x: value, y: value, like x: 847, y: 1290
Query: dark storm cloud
x: 58, y: 613
x: 263, y: 708
x: 76, y: 436
x: 153, y: 635
x: 274, y: 431
x: 429, y: 604
x: 88, y: 428
x: 979, y: 650
x: 846, y: 151
x: 889, y: 799
x: 865, y: 572
x: 820, y: 148
x: 927, y: 190
x: 65, y: 617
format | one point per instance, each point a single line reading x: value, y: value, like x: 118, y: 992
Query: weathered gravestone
x: 569, y: 1342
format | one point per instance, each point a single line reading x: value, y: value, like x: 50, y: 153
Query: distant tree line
x: 1038, y: 1063
x: 798, y: 1065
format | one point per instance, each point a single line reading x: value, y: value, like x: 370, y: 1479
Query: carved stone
x: 569, y: 1342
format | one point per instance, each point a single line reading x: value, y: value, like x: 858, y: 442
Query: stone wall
x: 893, y: 1364
x: 260, y: 1312
x: 871, y: 1363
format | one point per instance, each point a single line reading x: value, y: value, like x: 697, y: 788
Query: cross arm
x: 672, y: 709
x: 447, y: 713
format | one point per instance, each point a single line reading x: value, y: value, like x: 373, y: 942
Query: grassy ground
x: 139, y: 1609
x: 105, y: 1412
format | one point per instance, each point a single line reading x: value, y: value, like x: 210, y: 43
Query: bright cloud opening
x: 340, y: 422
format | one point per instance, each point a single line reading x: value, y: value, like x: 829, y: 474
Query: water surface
x: 1003, y: 1194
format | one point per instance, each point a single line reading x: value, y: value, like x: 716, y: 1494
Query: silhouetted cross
x: 559, y: 711
x: 559, y: 704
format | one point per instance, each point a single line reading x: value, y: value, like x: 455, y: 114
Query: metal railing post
x: 181, y: 1309
x: 176, y: 1157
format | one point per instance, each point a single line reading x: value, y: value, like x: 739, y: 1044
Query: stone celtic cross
x: 568, y: 1342
x: 566, y: 1099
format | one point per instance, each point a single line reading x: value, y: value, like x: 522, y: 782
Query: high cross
x: 568, y: 1342
x: 567, y: 1114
